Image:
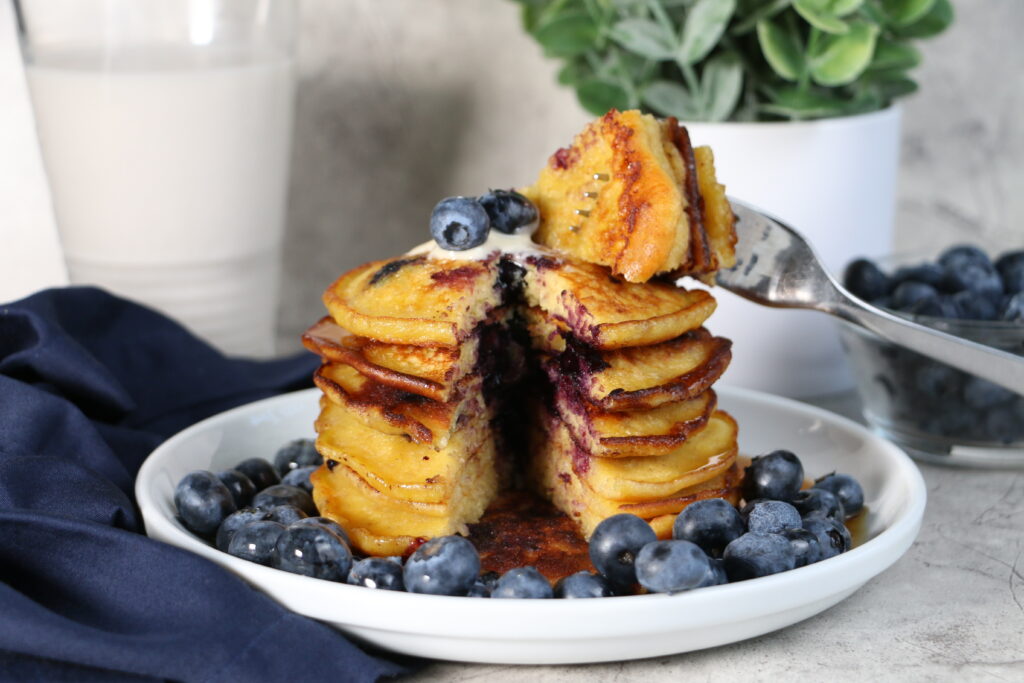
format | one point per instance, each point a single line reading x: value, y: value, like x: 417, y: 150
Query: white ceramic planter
x: 834, y: 180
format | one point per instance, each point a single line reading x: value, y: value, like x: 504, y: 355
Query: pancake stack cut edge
x: 445, y: 381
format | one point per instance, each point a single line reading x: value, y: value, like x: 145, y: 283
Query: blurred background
x: 402, y: 102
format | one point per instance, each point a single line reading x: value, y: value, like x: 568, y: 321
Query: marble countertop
x: 952, y: 607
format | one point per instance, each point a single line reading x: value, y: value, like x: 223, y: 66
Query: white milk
x: 169, y: 176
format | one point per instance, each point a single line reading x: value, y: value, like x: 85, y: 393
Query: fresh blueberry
x: 260, y: 472
x: 256, y: 541
x: 484, y: 585
x: 716, y: 575
x: 671, y: 566
x: 976, y: 306
x: 331, y: 525
x: 314, y: 551
x: 805, y: 545
x: 928, y: 273
x: 377, y: 572
x: 1003, y: 424
x: 241, y: 487
x: 459, y: 223
x: 833, y: 536
x: 203, y: 502
x: 1011, y: 268
x: 776, y: 476
x: 710, y: 523
x: 583, y: 585
x: 300, y: 477
x: 508, y: 210
x: 936, y: 380
x: 944, y: 307
x: 770, y: 516
x: 963, y: 255
x: 615, y: 544
x: 1011, y: 308
x: 866, y: 280
x: 907, y: 294
x: 523, y: 582
x: 281, y: 494
x: 974, y: 277
x: 445, y: 565
x: 295, y: 455
x: 753, y: 555
x: 847, y: 489
x: 235, y: 521
x: 981, y: 394
x: 817, y: 502
x: 286, y: 514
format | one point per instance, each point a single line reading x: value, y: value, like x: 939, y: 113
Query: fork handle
x: 1000, y: 367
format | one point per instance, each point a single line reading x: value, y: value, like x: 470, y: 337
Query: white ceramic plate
x: 565, y: 631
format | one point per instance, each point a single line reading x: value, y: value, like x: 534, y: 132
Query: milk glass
x: 165, y: 128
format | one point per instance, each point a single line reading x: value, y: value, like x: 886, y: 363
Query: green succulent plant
x: 739, y: 60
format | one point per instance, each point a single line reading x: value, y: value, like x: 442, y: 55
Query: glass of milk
x: 165, y: 128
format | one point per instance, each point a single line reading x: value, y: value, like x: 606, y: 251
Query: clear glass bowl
x: 936, y: 412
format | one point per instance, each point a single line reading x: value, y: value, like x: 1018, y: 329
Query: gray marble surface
x: 951, y: 609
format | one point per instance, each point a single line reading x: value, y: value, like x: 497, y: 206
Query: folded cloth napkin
x: 89, y: 385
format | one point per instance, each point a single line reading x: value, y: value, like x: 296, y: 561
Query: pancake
x: 628, y: 194
x: 608, y: 313
x: 414, y: 300
x: 655, y: 431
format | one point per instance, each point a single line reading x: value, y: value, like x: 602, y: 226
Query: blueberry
x: 981, y: 394
x: 976, y: 306
x: 944, y: 307
x: 818, y: 503
x: 508, y: 210
x: 833, y: 536
x: 671, y: 566
x: 583, y: 585
x: 522, y: 582
x: 770, y: 516
x: 906, y: 294
x: 847, y: 489
x: 936, y: 380
x: 711, y: 523
x: 312, y: 550
x: 928, y: 273
x: 753, y: 555
x: 963, y: 255
x: 974, y: 277
x: 260, y: 472
x: 235, y: 521
x: 459, y: 223
x: 716, y: 575
x: 805, y: 545
x: 281, y: 494
x: 614, y: 546
x: 286, y: 514
x: 1003, y: 424
x: 1011, y: 308
x: 296, y: 454
x: 241, y: 487
x: 1010, y: 267
x: 300, y: 477
x: 776, y: 476
x: 203, y: 502
x: 446, y: 565
x: 377, y: 572
x: 484, y: 585
x: 866, y: 280
x: 256, y: 541
x: 331, y: 525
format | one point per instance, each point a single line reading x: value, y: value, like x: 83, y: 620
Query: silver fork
x: 775, y: 266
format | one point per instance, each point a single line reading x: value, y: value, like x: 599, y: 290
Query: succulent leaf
x: 671, y: 99
x: 598, y: 96
x: 781, y: 49
x: 819, y: 14
x: 931, y: 24
x: 721, y: 84
x: 705, y: 23
x: 906, y: 12
x: 567, y: 35
x: 644, y: 37
x: 839, y: 60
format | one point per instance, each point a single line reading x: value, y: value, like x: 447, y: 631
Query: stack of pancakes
x: 565, y: 369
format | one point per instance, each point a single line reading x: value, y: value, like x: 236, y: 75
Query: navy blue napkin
x: 89, y: 385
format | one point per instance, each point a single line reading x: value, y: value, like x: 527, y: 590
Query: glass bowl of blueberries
x: 936, y: 412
